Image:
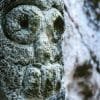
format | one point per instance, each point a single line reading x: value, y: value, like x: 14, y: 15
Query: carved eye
x: 58, y: 28
x: 59, y: 25
x: 22, y: 23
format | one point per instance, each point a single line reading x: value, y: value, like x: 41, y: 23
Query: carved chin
x: 42, y: 82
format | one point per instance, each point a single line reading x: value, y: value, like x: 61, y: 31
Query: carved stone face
x: 31, y: 66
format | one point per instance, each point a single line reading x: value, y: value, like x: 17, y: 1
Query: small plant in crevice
x: 83, y: 71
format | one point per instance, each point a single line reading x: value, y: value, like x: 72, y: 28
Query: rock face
x: 31, y: 66
x: 81, y: 49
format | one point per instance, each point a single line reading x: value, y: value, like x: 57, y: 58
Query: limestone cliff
x: 81, y: 50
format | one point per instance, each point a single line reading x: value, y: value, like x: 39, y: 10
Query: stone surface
x: 31, y: 65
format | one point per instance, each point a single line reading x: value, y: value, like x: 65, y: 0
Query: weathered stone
x: 31, y: 66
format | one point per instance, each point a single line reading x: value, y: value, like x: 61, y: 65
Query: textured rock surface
x: 31, y: 65
x: 81, y: 50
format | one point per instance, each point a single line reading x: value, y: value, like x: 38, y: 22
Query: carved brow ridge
x: 7, y: 5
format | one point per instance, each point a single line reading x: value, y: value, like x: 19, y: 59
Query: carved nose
x: 43, y: 52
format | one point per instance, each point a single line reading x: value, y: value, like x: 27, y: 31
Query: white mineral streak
x: 78, y: 42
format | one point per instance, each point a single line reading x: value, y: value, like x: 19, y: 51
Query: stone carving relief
x: 31, y: 65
